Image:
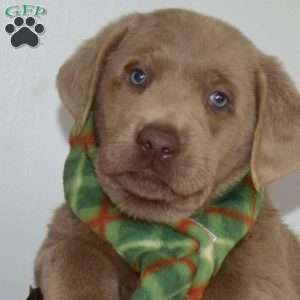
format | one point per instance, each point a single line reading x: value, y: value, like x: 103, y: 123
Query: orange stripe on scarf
x: 84, y: 140
x: 104, y: 218
x: 196, y: 293
x: 230, y: 213
x: 168, y: 262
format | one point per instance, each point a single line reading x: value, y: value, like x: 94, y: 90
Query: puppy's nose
x: 158, y: 142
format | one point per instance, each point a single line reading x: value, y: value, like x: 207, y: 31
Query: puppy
x: 211, y: 106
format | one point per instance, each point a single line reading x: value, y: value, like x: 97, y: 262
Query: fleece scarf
x: 175, y: 261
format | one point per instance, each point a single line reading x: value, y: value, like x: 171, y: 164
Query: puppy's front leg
x: 71, y: 266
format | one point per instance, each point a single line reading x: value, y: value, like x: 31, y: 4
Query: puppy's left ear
x: 276, y: 148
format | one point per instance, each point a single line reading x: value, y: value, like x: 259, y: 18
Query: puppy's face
x: 175, y: 116
x: 176, y: 110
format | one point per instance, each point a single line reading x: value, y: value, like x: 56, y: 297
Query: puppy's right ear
x: 275, y: 151
x: 78, y: 77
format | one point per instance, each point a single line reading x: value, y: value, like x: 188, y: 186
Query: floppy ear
x: 78, y: 76
x: 276, y: 148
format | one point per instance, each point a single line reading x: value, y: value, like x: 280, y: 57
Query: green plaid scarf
x: 175, y: 261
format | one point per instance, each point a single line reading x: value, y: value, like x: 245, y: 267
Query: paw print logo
x: 24, y: 33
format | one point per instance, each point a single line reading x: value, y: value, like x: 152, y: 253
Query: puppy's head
x: 185, y: 105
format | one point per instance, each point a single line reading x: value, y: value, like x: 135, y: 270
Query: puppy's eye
x: 218, y: 99
x: 137, y: 77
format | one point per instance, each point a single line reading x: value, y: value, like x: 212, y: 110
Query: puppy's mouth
x: 146, y: 185
x: 144, y: 195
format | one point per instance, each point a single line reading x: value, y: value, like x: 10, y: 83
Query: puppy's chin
x: 151, y: 201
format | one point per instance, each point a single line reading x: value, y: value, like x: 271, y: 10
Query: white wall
x: 34, y: 126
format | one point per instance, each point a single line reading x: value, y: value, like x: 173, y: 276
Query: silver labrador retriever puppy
x: 220, y: 107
